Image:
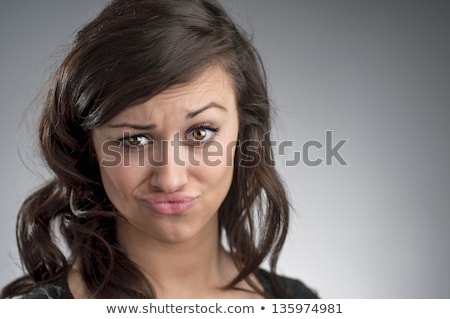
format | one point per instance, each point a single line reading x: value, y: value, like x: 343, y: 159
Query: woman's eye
x: 201, y: 134
x: 136, y: 140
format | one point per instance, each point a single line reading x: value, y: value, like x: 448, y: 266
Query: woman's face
x: 167, y: 164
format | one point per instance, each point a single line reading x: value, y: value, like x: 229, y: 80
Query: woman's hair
x: 133, y: 50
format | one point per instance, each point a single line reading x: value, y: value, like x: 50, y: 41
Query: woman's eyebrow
x: 145, y: 127
x: 208, y: 106
x: 133, y: 126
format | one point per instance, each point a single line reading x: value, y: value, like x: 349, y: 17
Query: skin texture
x: 179, y: 253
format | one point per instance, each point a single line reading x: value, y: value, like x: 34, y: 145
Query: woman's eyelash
x: 208, y: 126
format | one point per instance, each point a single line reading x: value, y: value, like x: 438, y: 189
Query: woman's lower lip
x: 171, y: 208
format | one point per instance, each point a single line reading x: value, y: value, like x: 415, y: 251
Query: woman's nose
x: 169, y: 174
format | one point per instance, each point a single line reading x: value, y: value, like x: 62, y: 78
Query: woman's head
x: 167, y: 164
x: 132, y: 52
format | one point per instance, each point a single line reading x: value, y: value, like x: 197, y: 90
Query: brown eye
x: 136, y: 140
x: 199, y: 134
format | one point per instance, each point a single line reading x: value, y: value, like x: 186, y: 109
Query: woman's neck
x: 194, y: 268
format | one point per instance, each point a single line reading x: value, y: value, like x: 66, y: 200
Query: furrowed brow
x: 206, y: 107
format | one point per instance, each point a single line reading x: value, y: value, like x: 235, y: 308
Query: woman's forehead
x: 213, y: 87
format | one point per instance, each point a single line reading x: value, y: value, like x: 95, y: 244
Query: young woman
x: 156, y: 128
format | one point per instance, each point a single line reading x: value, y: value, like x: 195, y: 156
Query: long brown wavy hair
x: 131, y: 51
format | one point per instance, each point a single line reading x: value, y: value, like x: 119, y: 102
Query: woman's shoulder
x: 287, y: 288
x: 57, y: 290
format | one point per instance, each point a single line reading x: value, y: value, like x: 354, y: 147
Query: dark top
x: 296, y: 289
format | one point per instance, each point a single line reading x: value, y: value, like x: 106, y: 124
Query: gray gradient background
x: 374, y: 72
